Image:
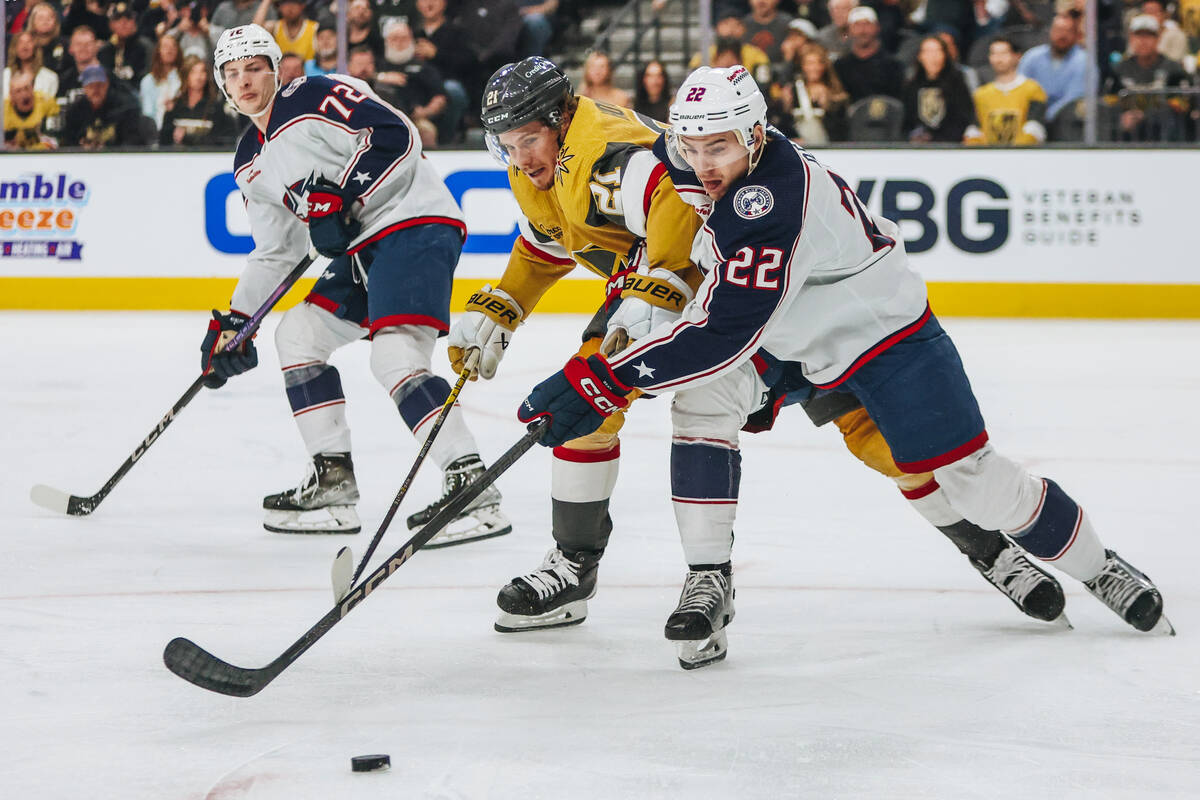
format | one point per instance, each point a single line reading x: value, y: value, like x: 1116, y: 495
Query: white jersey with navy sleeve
x: 796, y: 265
x: 330, y: 126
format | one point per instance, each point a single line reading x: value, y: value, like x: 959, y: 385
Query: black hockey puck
x: 370, y: 763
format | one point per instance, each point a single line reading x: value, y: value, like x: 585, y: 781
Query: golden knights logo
x: 1005, y: 125
x: 752, y: 202
x: 931, y: 106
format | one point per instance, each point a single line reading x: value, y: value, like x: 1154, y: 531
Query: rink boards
x: 1045, y: 233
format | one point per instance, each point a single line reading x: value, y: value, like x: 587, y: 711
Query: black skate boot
x: 1032, y: 589
x: 705, y: 608
x: 553, y: 596
x: 1128, y: 592
x: 322, y: 503
x: 481, y: 519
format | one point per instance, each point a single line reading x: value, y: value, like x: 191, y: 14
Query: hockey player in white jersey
x: 327, y: 160
x: 798, y: 267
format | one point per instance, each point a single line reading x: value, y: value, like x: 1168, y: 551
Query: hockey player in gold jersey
x: 1011, y: 110
x: 593, y: 194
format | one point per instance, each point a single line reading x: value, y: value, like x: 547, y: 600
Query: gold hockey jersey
x: 609, y: 195
x: 1009, y: 114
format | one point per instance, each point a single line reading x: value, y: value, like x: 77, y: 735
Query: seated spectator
x: 415, y: 87
x: 937, y: 103
x: 291, y: 66
x: 493, y: 28
x: 654, y: 91
x: 232, y: 13
x: 1059, y: 67
x: 800, y: 33
x: 1172, y: 41
x: 83, y: 49
x: 1011, y: 109
x: 443, y: 45
x: 325, y: 60
x: 968, y: 72
x: 813, y: 12
x: 16, y: 22
x: 191, y: 29
x: 43, y: 23
x: 103, y: 117
x: 362, y: 28
x: 26, y: 112
x: 384, y: 10
x: 162, y: 83
x: 893, y: 16
x: 956, y: 17
x: 537, y: 26
x: 835, y: 37
x: 819, y: 83
x: 597, y: 80
x: 1189, y: 18
x: 1148, y: 114
x: 198, y: 117
x: 749, y: 56
x: 126, y: 55
x: 867, y: 69
x: 293, y: 31
x: 766, y: 28
x: 89, y: 13
x: 24, y: 56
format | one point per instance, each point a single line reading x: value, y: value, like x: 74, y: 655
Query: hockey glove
x: 487, y: 325
x: 330, y: 225
x: 647, y: 300
x: 219, y: 366
x: 577, y: 400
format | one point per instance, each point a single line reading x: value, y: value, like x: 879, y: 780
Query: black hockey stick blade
x: 198, y: 666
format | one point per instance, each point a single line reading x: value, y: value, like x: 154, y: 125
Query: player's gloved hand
x: 487, y: 326
x: 219, y: 366
x: 648, y: 299
x: 577, y: 399
x: 330, y: 225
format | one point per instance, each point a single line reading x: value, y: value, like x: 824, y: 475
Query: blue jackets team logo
x: 752, y: 202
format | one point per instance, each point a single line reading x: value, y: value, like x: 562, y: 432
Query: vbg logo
x: 218, y: 190
x: 900, y: 200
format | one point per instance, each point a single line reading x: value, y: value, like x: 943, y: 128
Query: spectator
x: 361, y: 27
x: 384, y: 10
x: 1172, y: 41
x: 867, y: 70
x: 162, y: 83
x: 1059, y: 67
x: 766, y: 27
x: 654, y: 91
x: 26, y: 112
x: 198, y: 117
x: 192, y: 30
x: 362, y: 66
x: 89, y: 13
x: 835, y: 37
x: 103, y: 117
x: 1150, y: 115
x: 800, y: 33
x: 749, y: 56
x: 937, y: 103
x: 24, y: 56
x: 16, y: 22
x: 813, y: 12
x: 325, y: 45
x: 1011, y: 109
x: 818, y: 80
x: 82, y: 50
x: 968, y: 72
x: 537, y: 26
x: 126, y: 55
x: 493, y: 28
x: 291, y: 66
x: 293, y: 31
x: 956, y: 17
x: 47, y: 36
x: 231, y: 14
x: 892, y: 18
x: 597, y: 80
x: 157, y: 18
x: 418, y: 88
x: 443, y: 45
x: 1189, y: 17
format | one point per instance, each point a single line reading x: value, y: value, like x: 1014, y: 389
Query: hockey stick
x: 196, y: 665
x: 56, y: 500
x: 340, y: 586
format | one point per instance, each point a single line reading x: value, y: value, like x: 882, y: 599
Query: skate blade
x: 562, y: 617
x: 697, y: 653
x: 331, y: 519
x: 1062, y: 622
x: 483, y: 523
x: 1163, y: 627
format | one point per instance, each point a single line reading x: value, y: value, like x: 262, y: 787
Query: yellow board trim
x: 583, y: 296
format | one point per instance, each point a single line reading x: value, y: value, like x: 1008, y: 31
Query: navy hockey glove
x: 218, y: 366
x: 330, y: 225
x: 577, y: 400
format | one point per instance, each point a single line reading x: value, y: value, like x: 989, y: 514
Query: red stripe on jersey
x: 587, y: 456
x: 924, y: 490
x: 903, y: 333
x: 408, y: 319
x: 410, y: 223
x: 696, y: 502
x: 322, y: 405
x: 930, y: 464
x: 322, y: 302
x: 542, y: 254
x: 656, y: 176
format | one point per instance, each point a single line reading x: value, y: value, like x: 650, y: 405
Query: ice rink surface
x: 868, y: 660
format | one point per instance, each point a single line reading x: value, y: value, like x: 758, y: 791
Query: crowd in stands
x: 101, y: 74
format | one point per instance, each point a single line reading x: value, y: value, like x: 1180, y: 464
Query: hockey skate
x: 553, y: 596
x: 481, y: 519
x: 698, y: 623
x: 1031, y: 589
x: 1128, y: 592
x: 322, y: 503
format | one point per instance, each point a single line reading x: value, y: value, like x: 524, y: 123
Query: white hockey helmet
x: 244, y: 41
x: 715, y: 100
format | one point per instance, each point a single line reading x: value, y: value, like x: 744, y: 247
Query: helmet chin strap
x: 270, y: 101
